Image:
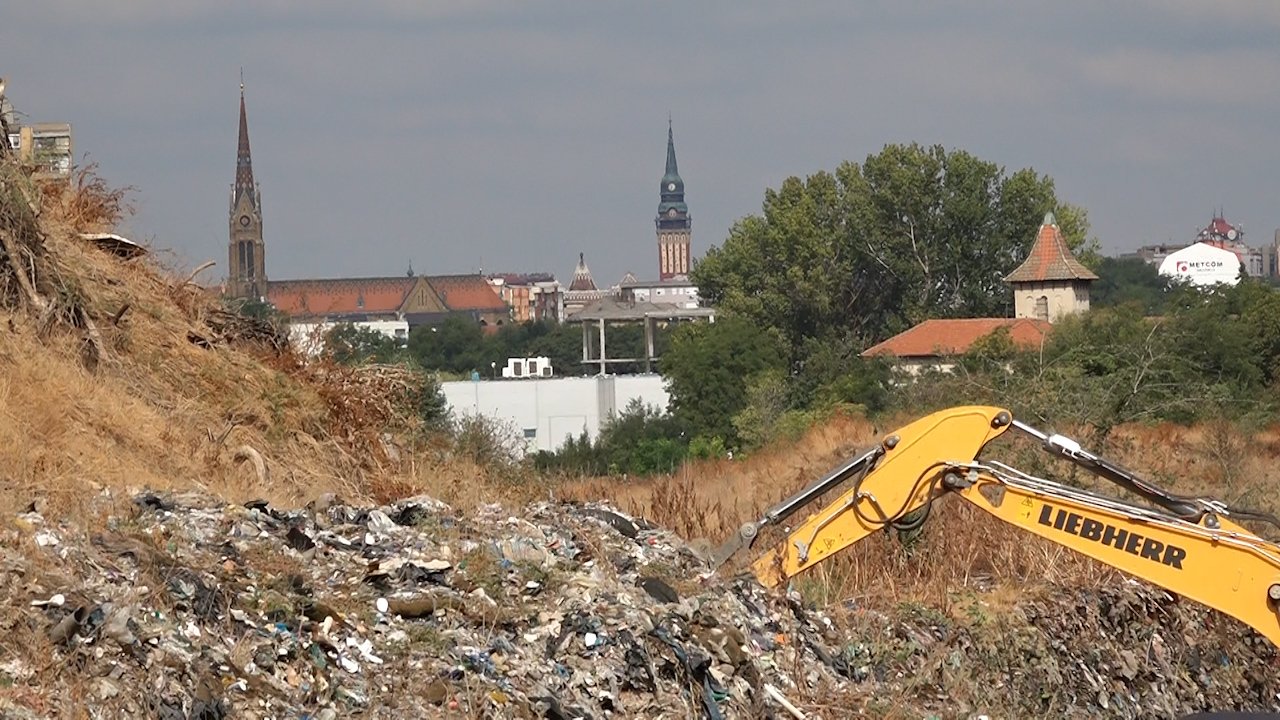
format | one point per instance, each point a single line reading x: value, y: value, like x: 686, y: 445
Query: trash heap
x: 182, y: 607
x: 178, y: 606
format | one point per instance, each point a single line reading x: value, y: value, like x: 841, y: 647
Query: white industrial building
x: 1202, y: 264
x: 546, y: 412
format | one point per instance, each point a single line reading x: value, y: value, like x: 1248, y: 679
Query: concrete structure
x: 47, y: 147
x: 523, y: 368
x: 676, y: 291
x: 610, y: 310
x: 1050, y: 283
x: 1203, y: 264
x: 246, y: 250
x: 545, y: 413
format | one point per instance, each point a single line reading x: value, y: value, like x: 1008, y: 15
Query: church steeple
x: 246, y: 252
x: 674, y: 225
x: 244, y: 161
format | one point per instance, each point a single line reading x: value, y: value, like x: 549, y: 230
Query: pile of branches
x: 29, y: 279
x: 234, y: 328
x: 371, y: 397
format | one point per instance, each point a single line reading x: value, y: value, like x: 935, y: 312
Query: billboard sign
x: 1202, y: 264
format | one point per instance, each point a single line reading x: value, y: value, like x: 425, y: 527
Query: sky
x: 508, y: 137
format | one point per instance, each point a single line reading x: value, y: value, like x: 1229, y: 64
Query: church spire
x: 246, y: 252
x: 244, y: 163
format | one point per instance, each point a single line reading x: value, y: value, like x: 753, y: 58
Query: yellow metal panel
x: 899, y: 483
x: 1228, y: 568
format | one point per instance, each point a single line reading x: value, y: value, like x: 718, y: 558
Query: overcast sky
x: 462, y: 136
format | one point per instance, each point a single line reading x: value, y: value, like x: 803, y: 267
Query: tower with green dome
x: 673, y: 223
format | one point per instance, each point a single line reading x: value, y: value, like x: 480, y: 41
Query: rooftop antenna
x: 242, y: 79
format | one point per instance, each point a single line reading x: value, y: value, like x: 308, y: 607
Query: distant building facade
x: 1257, y: 261
x: 45, y: 146
x: 582, y: 289
x: 531, y: 297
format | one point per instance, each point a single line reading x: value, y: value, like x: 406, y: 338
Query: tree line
x: 840, y: 261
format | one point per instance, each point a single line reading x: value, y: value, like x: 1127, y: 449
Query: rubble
x: 185, y: 607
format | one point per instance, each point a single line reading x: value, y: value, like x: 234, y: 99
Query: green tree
x: 869, y: 250
x: 457, y: 345
x: 1128, y: 280
x: 707, y: 368
x: 353, y: 345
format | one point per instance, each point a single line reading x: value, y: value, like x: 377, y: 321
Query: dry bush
x: 961, y: 549
x: 185, y: 395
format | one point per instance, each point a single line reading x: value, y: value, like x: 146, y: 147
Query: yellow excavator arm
x: 1188, y: 545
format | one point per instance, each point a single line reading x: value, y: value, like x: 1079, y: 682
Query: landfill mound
x: 183, y: 606
x: 118, y: 372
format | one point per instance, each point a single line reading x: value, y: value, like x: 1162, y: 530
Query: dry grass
x: 962, y: 549
x: 159, y: 411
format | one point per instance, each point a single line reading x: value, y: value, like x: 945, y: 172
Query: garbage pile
x: 183, y: 607
x: 179, y: 606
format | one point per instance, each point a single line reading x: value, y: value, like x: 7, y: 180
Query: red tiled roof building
x: 1049, y: 284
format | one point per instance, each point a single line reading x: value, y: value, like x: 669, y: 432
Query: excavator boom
x: 1187, y: 545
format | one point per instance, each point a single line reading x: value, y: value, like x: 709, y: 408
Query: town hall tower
x: 674, y: 226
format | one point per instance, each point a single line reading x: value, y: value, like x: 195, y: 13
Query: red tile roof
x: 1050, y: 259
x: 466, y: 292
x: 339, y: 295
x: 934, y: 338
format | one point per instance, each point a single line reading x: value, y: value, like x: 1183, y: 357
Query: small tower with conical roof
x: 1051, y: 282
x: 674, y: 225
x: 247, y: 262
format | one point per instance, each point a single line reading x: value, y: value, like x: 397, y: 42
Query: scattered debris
x: 115, y: 244
x: 191, y: 608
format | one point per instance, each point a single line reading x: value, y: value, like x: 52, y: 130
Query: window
x: 1042, y: 308
x: 530, y: 433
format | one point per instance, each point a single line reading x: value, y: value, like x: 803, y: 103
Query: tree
x: 707, y: 368
x: 1126, y: 280
x: 352, y: 345
x: 456, y: 345
x: 870, y: 250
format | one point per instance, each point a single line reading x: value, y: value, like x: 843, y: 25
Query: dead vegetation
x: 961, y: 550
x: 117, y: 374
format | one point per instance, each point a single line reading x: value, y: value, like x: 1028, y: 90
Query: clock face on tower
x: 244, y: 221
x: 671, y: 187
